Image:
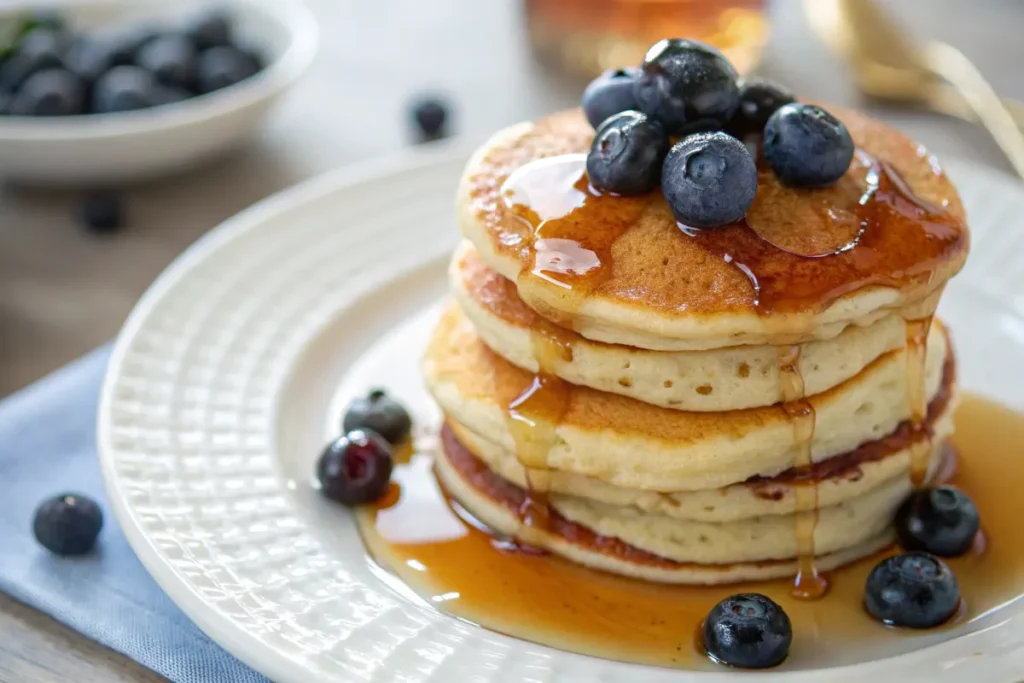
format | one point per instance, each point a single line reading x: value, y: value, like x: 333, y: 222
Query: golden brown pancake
x: 620, y: 269
x: 628, y: 443
x: 732, y: 378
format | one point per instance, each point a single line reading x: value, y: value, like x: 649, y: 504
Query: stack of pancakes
x: 628, y: 393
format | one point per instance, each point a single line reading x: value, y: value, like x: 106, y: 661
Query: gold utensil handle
x: 952, y: 65
x: 948, y: 100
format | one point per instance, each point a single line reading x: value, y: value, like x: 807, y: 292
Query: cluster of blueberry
x: 914, y: 589
x: 356, y: 467
x: 688, y: 90
x: 48, y: 69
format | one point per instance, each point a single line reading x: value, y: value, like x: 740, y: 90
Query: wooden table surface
x: 63, y: 292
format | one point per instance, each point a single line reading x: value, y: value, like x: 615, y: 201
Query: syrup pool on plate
x: 422, y: 542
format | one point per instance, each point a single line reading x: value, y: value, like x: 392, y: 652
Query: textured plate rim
x: 245, y: 645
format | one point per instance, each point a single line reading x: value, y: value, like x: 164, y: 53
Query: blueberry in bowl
x: 747, y: 630
x: 132, y: 128
x: 942, y: 521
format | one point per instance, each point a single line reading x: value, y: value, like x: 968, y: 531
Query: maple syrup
x: 453, y: 563
x: 808, y: 585
x: 878, y: 233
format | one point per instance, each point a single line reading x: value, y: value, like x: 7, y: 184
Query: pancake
x: 733, y: 378
x: 635, y: 445
x: 620, y: 270
x: 497, y: 503
x: 839, y: 479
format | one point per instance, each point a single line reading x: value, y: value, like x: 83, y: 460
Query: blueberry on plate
x: 171, y: 59
x: 806, y: 146
x: 355, y: 468
x: 430, y: 114
x: 747, y: 630
x: 379, y: 412
x: 101, y: 212
x: 208, y: 28
x: 609, y: 94
x: 124, y: 88
x: 626, y: 155
x: 220, y: 67
x: 68, y: 524
x: 759, y: 99
x: 52, y: 92
x: 942, y: 521
x: 709, y: 179
x: 39, y: 49
x: 915, y: 590
x: 683, y: 81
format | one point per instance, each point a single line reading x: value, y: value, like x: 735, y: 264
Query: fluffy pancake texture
x: 731, y: 378
x: 631, y: 444
x: 497, y: 503
x: 667, y: 291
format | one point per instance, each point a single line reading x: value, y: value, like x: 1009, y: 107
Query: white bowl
x: 102, y: 149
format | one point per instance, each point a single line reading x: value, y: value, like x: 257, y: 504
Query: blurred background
x: 65, y: 289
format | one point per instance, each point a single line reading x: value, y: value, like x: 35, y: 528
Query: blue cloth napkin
x: 48, y: 446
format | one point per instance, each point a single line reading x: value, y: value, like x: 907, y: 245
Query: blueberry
x: 208, y: 28
x: 68, y: 524
x: 430, y: 115
x: 220, y: 67
x: 942, y: 521
x: 806, y: 146
x: 101, y: 212
x: 124, y: 45
x: 88, y: 58
x: 683, y: 81
x: 124, y: 88
x: 53, y: 92
x: 709, y: 179
x: 609, y: 94
x: 759, y: 99
x: 40, y: 49
x: 914, y: 590
x: 626, y: 155
x: 382, y: 414
x: 171, y: 59
x: 355, y: 468
x: 747, y: 630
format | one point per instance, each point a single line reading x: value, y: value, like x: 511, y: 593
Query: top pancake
x: 621, y: 270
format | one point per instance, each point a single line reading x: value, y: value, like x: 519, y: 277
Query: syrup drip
x: 809, y: 585
x: 549, y: 197
x: 876, y: 232
x: 917, y: 348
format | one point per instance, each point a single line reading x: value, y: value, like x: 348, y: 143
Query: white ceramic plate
x: 228, y: 378
x: 137, y: 145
